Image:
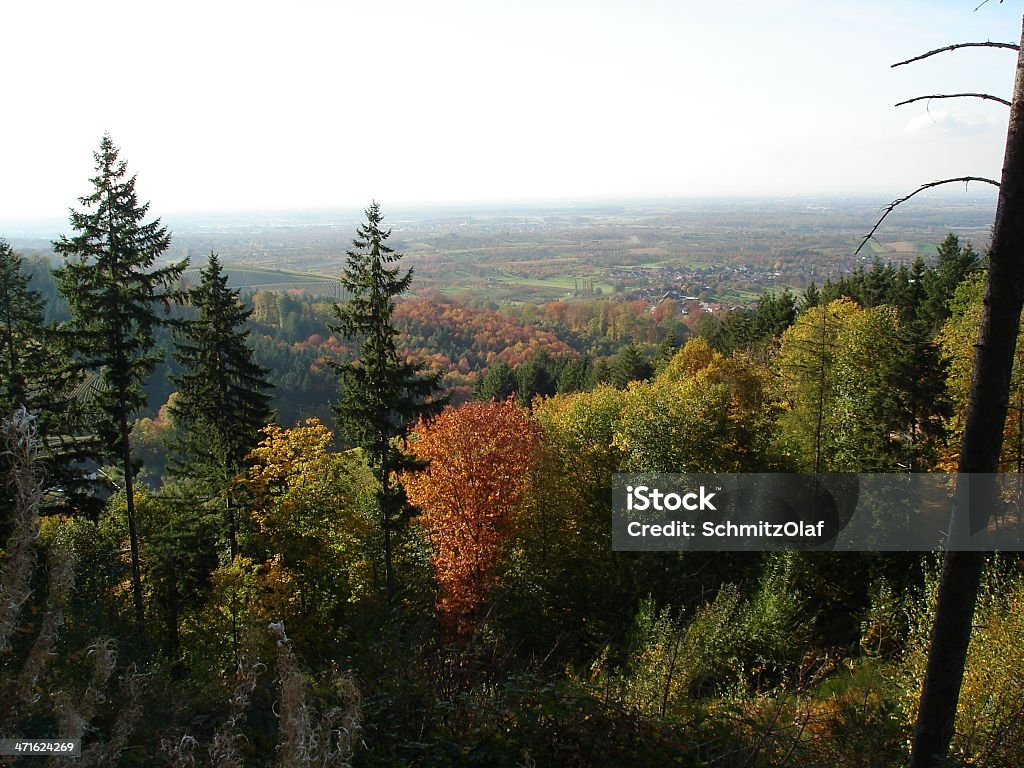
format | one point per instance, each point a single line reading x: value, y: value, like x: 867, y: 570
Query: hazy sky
x: 229, y: 105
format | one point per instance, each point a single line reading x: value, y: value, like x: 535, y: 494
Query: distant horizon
x: 191, y: 221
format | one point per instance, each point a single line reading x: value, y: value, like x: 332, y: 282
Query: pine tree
x: 35, y: 373
x: 381, y: 396
x: 223, y: 398
x: 113, y: 291
x: 627, y: 366
x: 955, y: 263
x: 498, y: 384
x: 21, y: 320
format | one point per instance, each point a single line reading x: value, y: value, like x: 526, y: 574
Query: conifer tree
x: 381, y: 396
x: 21, y: 321
x: 954, y: 264
x: 35, y: 373
x: 114, y: 293
x: 498, y: 384
x: 223, y: 398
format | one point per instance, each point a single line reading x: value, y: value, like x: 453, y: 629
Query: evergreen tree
x: 381, y: 396
x: 811, y: 297
x: 627, y: 366
x: 222, y: 400
x: 666, y: 350
x: 34, y: 373
x: 955, y: 263
x: 113, y: 292
x: 22, y: 351
x: 498, y: 384
x: 537, y: 376
x: 575, y: 376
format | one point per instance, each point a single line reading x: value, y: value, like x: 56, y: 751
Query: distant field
x: 903, y: 248
x: 269, y: 279
x: 533, y: 254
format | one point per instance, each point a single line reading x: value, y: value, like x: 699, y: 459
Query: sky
x: 233, y: 106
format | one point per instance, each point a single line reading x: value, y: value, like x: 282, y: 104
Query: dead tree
x: 983, y: 433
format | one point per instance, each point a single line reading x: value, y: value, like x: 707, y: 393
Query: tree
x: 980, y: 451
x: 498, y: 384
x: 35, y: 373
x: 312, y: 527
x: 627, y: 366
x: 480, y: 456
x: 806, y: 362
x: 113, y: 291
x: 537, y: 376
x: 955, y: 263
x: 222, y: 400
x: 21, y: 321
x: 381, y: 395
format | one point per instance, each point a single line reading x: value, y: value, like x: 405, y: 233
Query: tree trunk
x: 133, y: 535
x: 982, y: 444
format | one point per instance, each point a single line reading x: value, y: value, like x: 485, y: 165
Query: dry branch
x: 988, y: 96
x: 1010, y: 46
x: 892, y: 206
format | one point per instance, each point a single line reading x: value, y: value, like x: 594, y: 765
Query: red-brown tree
x: 480, y: 456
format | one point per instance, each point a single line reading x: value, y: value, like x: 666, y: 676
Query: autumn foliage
x: 479, y: 457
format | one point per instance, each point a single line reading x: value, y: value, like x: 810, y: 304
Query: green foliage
x: 35, y: 372
x: 312, y: 534
x: 181, y: 538
x: 990, y: 711
x: 956, y: 263
x: 113, y: 291
x: 750, y: 329
x: 498, y: 384
x: 732, y: 643
x: 627, y: 366
x: 852, y: 404
x: 381, y: 395
x: 222, y: 394
x: 22, y: 346
x: 723, y: 407
x: 538, y: 376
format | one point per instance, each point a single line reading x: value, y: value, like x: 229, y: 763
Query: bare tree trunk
x: 133, y: 536
x: 982, y: 444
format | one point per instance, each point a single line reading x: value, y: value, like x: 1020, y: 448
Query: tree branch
x: 892, y: 206
x: 988, y: 96
x: 1011, y: 46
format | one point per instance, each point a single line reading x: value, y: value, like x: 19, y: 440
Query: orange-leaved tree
x: 480, y: 456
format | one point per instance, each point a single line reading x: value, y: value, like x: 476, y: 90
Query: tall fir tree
x: 35, y: 372
x: 223, y: 395
x: 381, y: 395
x: 954, y: 264
x: 22, y: 349
x: 114, y: 293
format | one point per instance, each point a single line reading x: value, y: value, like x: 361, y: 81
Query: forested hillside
x: 248, y: 529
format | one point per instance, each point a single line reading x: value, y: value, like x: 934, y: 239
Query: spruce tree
x: 955, y: 263
x: 22, y: 351
x: 498, y: 384
x: 223, y: 398
x: 35, y: 373
x: 381, y: 395
x: 114, y: 294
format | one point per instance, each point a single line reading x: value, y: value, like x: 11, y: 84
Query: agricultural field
x: 724, y: 250
x: 721, y: 250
